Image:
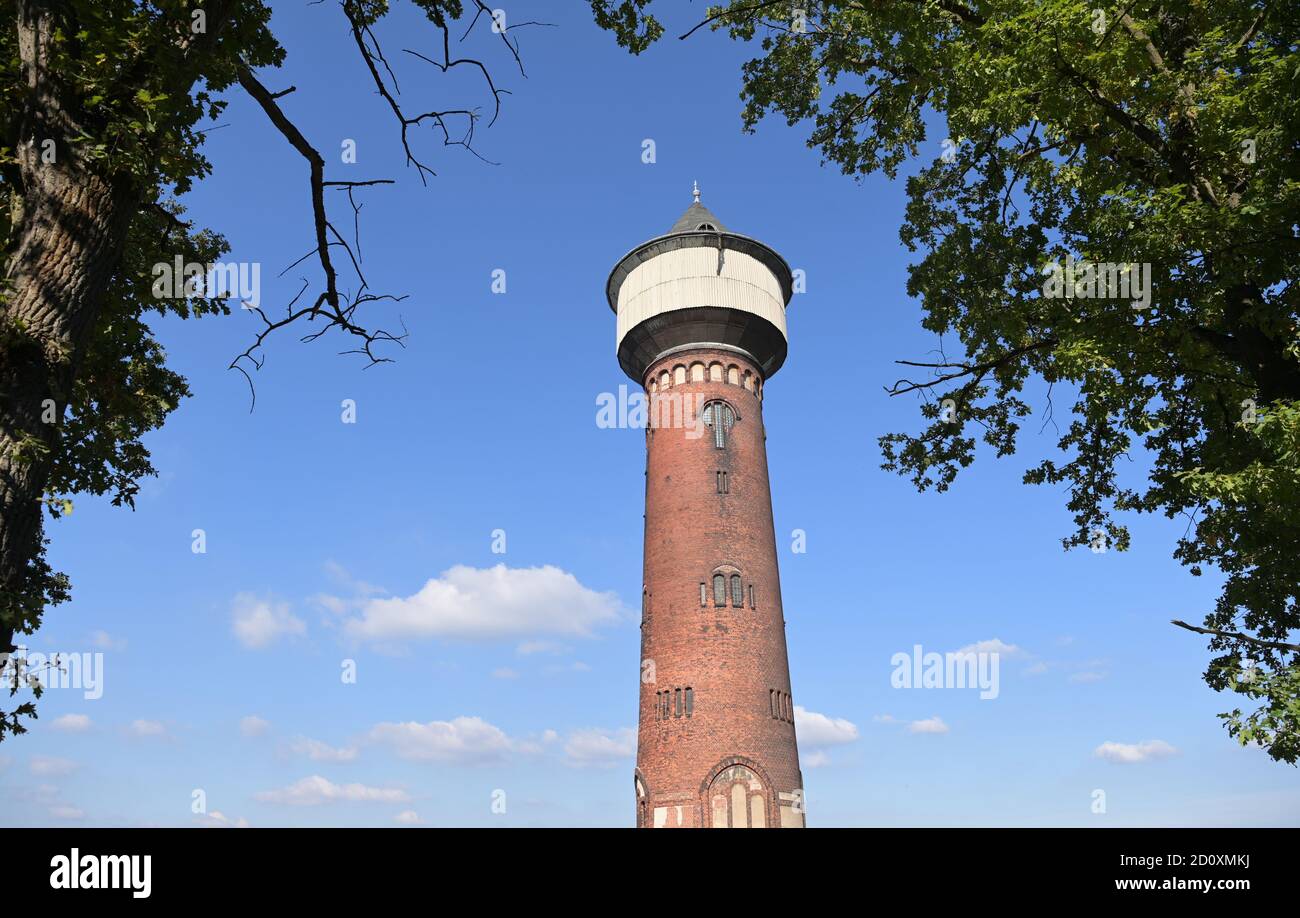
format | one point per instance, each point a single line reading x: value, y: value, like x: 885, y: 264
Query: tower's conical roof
x: 697, y: 217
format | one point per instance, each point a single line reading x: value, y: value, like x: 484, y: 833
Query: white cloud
x: 408, y: 818
x: 144, y: 728
x: 486, y: 604
x: 600, y: 747
x: 51, y: 766
x: 464, y: 740
x: 252, y: 725
x: 1130, y: 753
x: 929, y: 725
x: 71, y: 723
x: 221, y: 820
x: 1036, y: 669
x: 992, y: 645
x: 105, y: 641
x: 258, y: 623
x: 815, y: 759
x: 323, y: 752
x: 315, y: 791
x: 63, y: 811
x: 816, y: 730
x: 885, y: 719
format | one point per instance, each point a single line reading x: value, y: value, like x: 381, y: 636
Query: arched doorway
x: 737, y: 799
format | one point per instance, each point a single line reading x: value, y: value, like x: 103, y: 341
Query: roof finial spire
x: 696, y: 192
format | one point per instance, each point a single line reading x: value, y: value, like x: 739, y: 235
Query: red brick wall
x: 731, y: 658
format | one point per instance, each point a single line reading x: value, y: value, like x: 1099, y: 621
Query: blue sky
x: 223, y: 669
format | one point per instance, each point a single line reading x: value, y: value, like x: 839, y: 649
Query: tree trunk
x: 63, y: 253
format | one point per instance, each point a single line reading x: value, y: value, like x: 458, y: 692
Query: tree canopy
x: 1086, y: 143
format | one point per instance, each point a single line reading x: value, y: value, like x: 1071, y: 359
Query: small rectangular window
x: 656, y: 705
x: 677, y: 702
x: 704, y: 595
x: 723, y: 486
x: 690, y: 701
x: 751, y: 597
x: 771, y: 702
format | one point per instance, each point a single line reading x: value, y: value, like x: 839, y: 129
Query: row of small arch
x: 711, y: 372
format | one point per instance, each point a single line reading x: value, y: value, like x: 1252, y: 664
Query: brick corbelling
x: 731, y: 657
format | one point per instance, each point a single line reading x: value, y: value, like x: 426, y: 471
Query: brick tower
x: 701, y: 326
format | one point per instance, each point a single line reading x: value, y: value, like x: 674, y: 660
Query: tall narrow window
x: 677, y: 702
x: 737, y: 591
x: 719, y: 417
x: 704, y: 594
x: 719, y: 590
x: 771, y: 702
x: 751, y: 597
x: 690, y: 701
x: 723, y: 486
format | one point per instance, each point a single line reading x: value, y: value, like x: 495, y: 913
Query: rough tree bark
x: 67, y: 241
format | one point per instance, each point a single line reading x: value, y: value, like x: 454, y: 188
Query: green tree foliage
x: 1140, y: 132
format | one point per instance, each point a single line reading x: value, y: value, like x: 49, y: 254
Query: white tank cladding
x: 700, y: 285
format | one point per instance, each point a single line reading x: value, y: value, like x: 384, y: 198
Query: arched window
x: 719, y: 590
x: 737, y: 591
x: 719, y: 417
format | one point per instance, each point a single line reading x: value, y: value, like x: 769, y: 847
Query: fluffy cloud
x: 258, y: 623
x: 219, y: 819
x: 143, y: 728
x: 72, y: 723
x: 252, y: 725
x: 50, y: 766
x: 601, y: 748
x: 1130, y: 753
x: 463, y: 741
x: 814, y: 759
x: 315, y: 791
x: 992, y: 645
x: 64, y: 811
x: 323, y: 752
x: 929, y: 725
x: 105, y: 641
x: 487, y: 604
x: 408, y: 818
x: 815, y: 730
